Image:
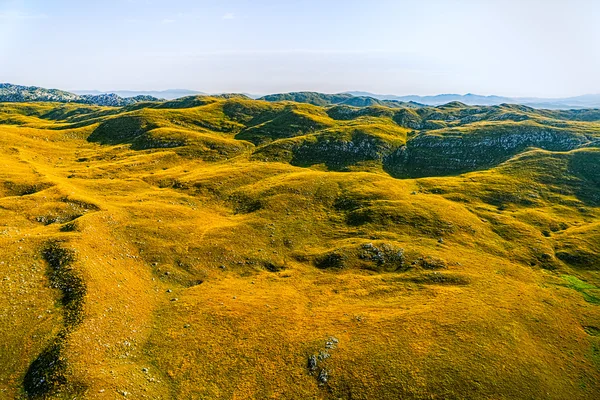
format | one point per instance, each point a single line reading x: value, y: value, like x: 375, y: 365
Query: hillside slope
x: 222, y: 247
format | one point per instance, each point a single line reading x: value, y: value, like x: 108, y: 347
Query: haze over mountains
x: 118, y: 98
x: 585, y: 101
x: 168, y: 94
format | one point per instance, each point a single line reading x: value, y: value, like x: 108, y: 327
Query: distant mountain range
x: 119, y: 98
x: 585, y: 101
x: 18, y: 93
x: 168, y: 94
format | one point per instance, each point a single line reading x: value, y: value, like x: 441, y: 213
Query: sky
x: 542, y: 48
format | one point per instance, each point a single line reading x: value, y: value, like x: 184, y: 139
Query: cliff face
x: 444, y: 154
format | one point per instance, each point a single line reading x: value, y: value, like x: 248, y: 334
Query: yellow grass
x: 202, y: 279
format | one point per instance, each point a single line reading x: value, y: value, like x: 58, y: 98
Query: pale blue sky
x: 514, y: 48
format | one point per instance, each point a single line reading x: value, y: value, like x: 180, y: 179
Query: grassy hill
x: 322, y: 99
x: 223, y: 247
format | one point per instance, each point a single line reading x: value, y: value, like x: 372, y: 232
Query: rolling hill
x: 298, y: 247
x: 322, y: 99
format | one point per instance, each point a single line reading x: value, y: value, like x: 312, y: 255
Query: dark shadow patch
x: 121, y: 130
x: 579, y: 258
x: 584, y: 164
x: 360, y: 217
x: 437, y: 278
x: 22, y: 189
x: 69, y: 227
x: 269, y: 266
x: 244, y: 204
x: 63, y: 277
x: 330, y: 260
x: 347, y: 203
x: 592, y: 330
x: 46, y: 374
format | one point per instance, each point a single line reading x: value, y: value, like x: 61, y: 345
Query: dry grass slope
x: 221, y: 247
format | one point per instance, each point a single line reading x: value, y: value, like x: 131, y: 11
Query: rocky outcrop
x: 112, y: 100
x: 448, y: 152
x: 337, y: 152
x: 17, y: 93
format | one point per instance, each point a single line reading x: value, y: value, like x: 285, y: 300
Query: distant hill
x: 168, y: 94
x: 585, y: 101
x: 314, y: 98
x: 322, y: 99
x: 18, y: 93
x: 119, y: 98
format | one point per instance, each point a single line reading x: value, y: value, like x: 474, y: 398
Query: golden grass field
x: 189, y: 250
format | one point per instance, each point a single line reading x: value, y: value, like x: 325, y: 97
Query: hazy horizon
x: 77, y: 90
x: 505, y: 48
x: 317, y: 91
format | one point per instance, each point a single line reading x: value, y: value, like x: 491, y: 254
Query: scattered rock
x: 331, y: 343
x: 312, y: 363
x: 323, y: 377
x: 383, y: 255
